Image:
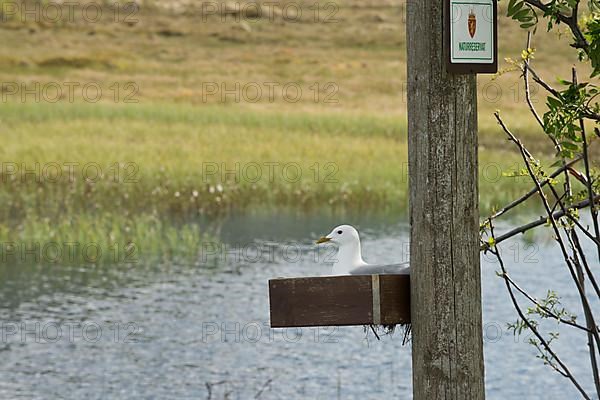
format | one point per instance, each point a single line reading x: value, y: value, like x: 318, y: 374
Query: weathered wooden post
x: 442, y: 138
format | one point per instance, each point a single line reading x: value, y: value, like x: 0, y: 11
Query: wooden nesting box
x: 340, y: 300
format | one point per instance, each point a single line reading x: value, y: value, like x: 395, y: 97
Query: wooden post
x: 445, y: 279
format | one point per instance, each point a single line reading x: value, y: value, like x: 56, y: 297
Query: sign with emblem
x: 471, y: 32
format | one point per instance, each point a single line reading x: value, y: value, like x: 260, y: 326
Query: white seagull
x: 349, y: 259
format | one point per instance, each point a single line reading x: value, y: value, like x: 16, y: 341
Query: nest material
x: 390, y: 329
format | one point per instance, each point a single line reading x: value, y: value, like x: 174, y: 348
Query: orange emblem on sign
x: 472, y: 23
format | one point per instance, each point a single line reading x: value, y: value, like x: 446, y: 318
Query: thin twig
x: 374, y: 332
x: 534, y: 190
x: 527, y: 91
x: 565, y: 370
x: 262, y: 389
x: 583, y: 230
x: 544, y: 308
x: 588, y: 317
x: 573, y: 238
x: 540, y: 221
x: 570, y: 20
x: 593, y: 210
x: 590, y: 190
x: 209, y: 386
x: 526, y: 156
x: 586, y: 112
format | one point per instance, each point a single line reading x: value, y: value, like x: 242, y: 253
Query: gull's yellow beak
x: 324, y: 239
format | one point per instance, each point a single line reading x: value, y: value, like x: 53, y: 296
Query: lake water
x: 200, y: 330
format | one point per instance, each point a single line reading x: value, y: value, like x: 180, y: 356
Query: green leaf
x: 552, y: 102
x: 569, y: 146
x: 514, y: 7
x: 519, y: 15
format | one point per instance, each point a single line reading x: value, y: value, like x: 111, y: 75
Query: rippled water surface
x: 200, y: 330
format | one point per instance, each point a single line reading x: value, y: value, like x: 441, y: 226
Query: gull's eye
x: 339, y: 232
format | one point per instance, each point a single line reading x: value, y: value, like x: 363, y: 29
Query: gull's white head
x: 349, y: 254
x: 340, y: 235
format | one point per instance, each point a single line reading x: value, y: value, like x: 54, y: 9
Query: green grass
x: 164, y: 154
x: 99, y: 239
x: 161, y: 154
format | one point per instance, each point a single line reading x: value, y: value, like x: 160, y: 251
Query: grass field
x: 162, y: 138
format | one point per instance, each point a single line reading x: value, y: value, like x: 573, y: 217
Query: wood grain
x: 445, y: 281
x: 338, y: 300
